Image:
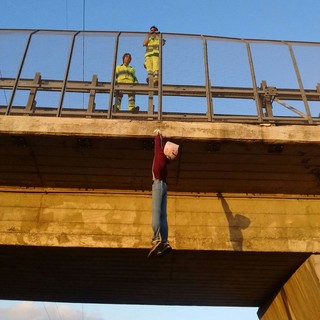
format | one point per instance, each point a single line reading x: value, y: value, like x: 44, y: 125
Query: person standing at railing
x: 162, y: 157
x: 125, y: 74
x: 151, y: 57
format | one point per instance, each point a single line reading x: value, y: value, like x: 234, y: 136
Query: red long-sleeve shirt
x: 160, y: 161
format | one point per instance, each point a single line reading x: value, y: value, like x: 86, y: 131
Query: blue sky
x: 273, y: 19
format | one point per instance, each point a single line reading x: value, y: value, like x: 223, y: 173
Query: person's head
x: 154, y: 29
x: 171, y: 150
x: 126, y: 58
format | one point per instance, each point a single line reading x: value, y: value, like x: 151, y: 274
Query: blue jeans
x: 159, y: 210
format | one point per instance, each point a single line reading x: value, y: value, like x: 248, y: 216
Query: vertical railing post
x: 66, y: 74
x: 303, y: 94
x: 160, y: 78
x: 254, y: 83
x: 92, y: 96
x: 113, y: 77
x: 207, y: 80
x: 31, y: 103
x: 14, y: 89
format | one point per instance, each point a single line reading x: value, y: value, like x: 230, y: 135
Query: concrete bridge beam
x: 229, y: 249
x: 112, y: 219
x: 299, y: 297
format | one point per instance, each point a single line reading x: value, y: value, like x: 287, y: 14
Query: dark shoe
x: 115, y: 108
x: 155, y: 245
x: 164, y: 248
x: 135, y: 109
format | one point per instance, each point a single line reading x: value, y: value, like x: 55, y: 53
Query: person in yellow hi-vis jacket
x: 125, y: 74
x: 151, y: 57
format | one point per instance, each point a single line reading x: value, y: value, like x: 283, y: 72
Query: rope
x: 83, y: 43
x: 45, y: 308
x: 67, y: 17
x: 58, y: 312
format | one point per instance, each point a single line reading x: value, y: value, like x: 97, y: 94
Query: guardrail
x: 201, y: 78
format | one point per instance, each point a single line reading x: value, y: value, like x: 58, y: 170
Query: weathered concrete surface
x: 123, y: 220
x: 299, y: 297
x: 234, y: 250
x: 99, y: 154
x: 173, y: 129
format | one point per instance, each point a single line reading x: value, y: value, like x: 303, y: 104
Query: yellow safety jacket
x: 152, y: 48
x: 126, y: 74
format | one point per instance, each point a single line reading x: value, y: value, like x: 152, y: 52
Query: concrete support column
x: 299, y: 298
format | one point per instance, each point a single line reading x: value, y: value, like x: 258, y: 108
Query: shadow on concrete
x: 237, y: 223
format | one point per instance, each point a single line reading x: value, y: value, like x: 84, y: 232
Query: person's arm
x: 146, y: 40
x: 117, y: 73
x: 157, y: 141
x: 134, y: 75
x: 156, y: 170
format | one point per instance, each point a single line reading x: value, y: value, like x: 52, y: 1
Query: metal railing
x: 201, y: 78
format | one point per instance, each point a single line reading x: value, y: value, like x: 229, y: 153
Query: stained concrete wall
x: 299, y: 298
x: 175, y: 129
x: 197, y: 221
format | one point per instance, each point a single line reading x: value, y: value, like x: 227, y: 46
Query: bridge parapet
x: 202, y: 78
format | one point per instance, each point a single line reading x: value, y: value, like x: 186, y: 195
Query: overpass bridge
x: 75, y: 177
